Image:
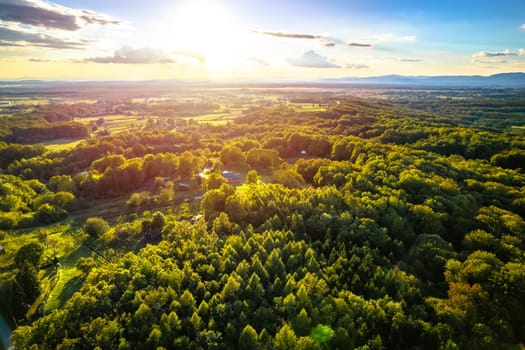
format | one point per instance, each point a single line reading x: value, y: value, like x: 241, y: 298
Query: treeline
x: 61, y: 112
x: 116, y: 175
x: 71, y: 162
x: 52, y: 131
x: 11, y: 152
x: 26, y: 203
x: 495, y: 113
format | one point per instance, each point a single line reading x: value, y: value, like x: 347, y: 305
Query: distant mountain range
x: 71, y: 87
x: 503, y: 80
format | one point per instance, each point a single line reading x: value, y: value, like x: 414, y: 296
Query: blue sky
x: 254, y: 39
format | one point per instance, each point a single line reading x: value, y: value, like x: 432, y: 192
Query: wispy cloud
x: 324, y: 41
x: 92, y: 17
x: 48, y: 15
x: 38, y: 60
x: 402, y: 59
x: 409, y: 38
x: 354, y: 44
x: 356, y: 66
x: 392, y: 37
x: 195, y: 56
x: 258, y: 60
x: 290, y: 35
x: 312, y: 59
x: 482, y: 54
x: 523, y: 26
x: 130, y: 55
x: 489, y: 63
x: 21, y: 38
x: 410, y: 59
x: 521, y: 52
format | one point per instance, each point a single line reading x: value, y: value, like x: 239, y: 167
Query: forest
x: 358, y: 223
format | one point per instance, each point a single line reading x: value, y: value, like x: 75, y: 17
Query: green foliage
x: 214, y: 181
x: 95, y: 226
x: 231, y: 154
x: 403, y: 231
x: 24, y: 203
x: 26, y: 289
x: 10, y: 153
x: 289, y: 178
x: 262, y: 159
x: 252, y: 177
x: 49, y: 213
x: 248, y: 338
x: 322, y: 333
x: 285, y: 339
x: 30, y: 253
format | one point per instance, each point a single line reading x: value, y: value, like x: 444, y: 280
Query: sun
x: 209, y: 34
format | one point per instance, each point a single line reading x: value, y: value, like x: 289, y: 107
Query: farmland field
x: 57, y: 145
x: 308, y: 107
x: 115, y: 122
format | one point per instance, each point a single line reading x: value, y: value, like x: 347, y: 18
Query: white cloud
x: 521, y: 52
x: 38, y: 23
x: 130, y: 55
x: 481, y: 54
x: 410, y: 38
x: 290, y: 35
x: 13, y: 36
x: 523, y: 26
x: 313, y: 60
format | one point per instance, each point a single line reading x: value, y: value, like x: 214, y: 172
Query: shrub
x: 95, y: 226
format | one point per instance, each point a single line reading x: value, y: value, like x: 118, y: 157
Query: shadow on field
x: 72, y: 286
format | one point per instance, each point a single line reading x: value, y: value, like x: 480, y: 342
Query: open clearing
x: 217, y: 118
x: 308, y: 107
x: 61, y: 144
x: 115, y: 122
x: 69, y: 279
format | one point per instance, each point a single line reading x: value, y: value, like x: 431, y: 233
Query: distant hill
x: 151, y: 87
x: 511, y: 80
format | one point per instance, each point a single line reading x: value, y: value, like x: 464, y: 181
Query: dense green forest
x: 373, y: 224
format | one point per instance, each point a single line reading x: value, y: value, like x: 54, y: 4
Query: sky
x: 258, y: 40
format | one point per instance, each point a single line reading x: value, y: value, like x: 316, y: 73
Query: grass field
x: 113, y: 123
x: 308, y: 107
x: 28, y: 101
x: 69, y: 279
x: 61, y: 144
x: 116, y: 122
x: 218, y: 118
x: 58, y: 240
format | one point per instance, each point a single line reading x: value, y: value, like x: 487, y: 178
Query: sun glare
x: 204, y: 27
